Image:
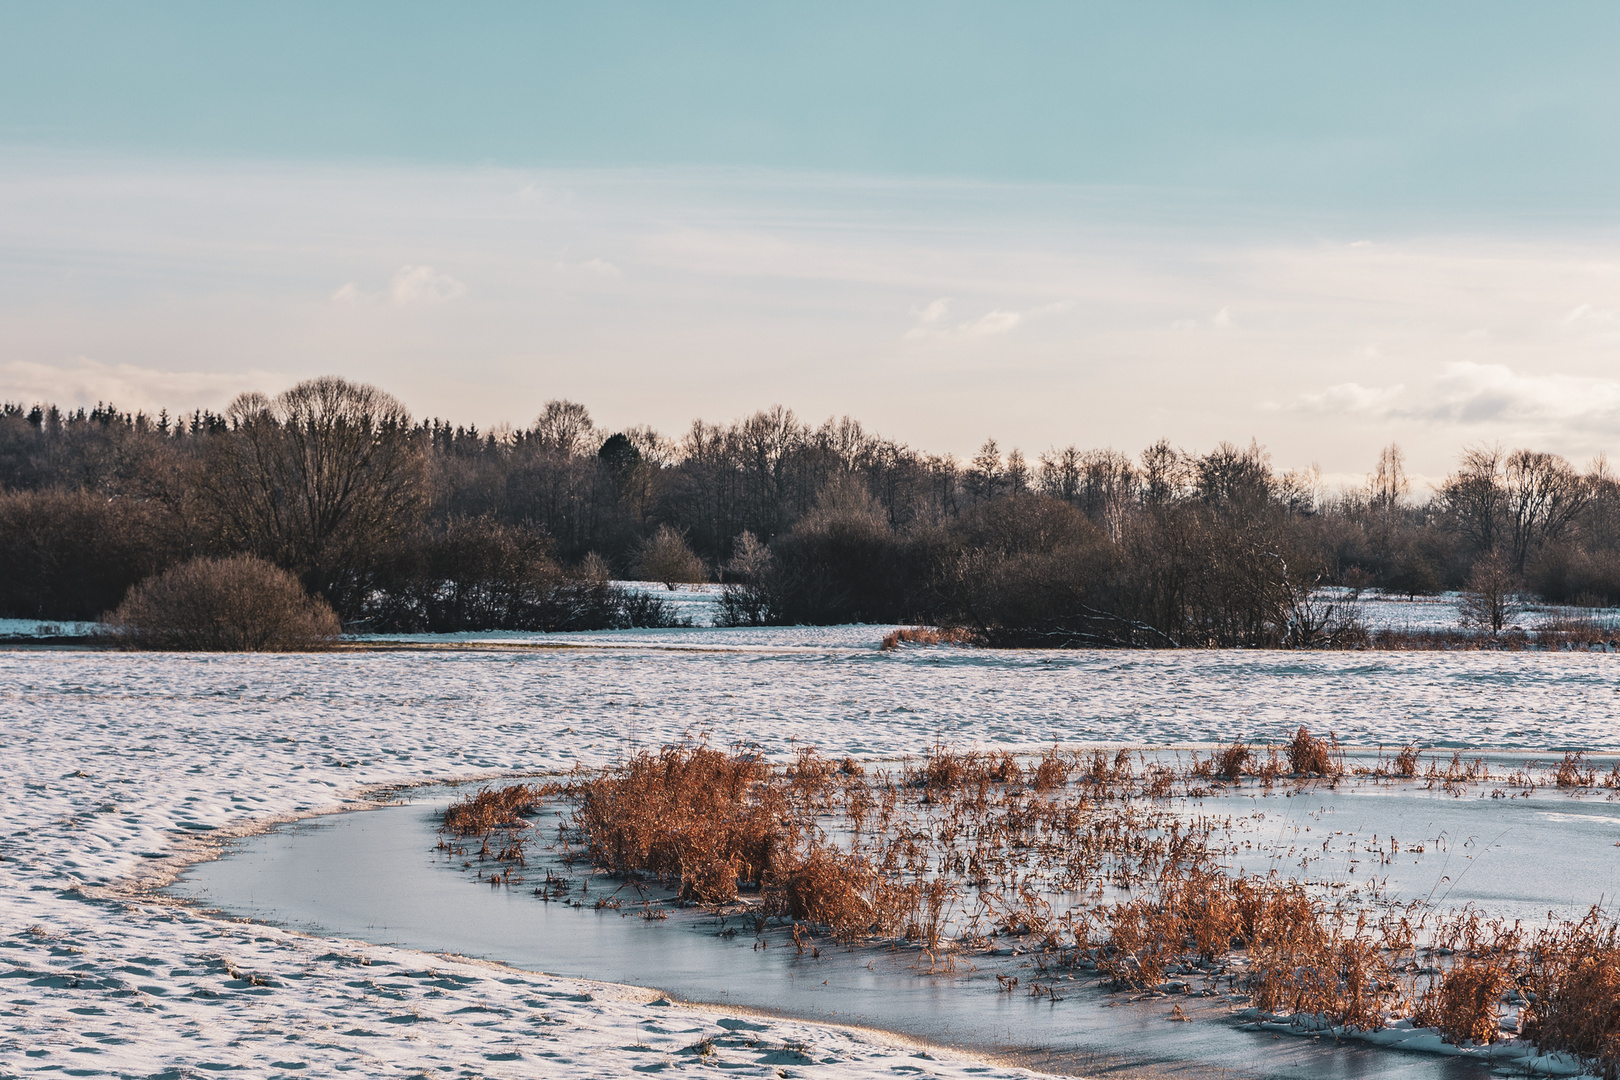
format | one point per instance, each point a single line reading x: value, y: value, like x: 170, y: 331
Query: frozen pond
x: 375, y: 875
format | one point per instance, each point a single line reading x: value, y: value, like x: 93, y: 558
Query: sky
x: 1324, y: 228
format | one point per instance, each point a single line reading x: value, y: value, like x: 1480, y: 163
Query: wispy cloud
x: 410, y: 286
x: 1469, y: 394
x: 86, y: 382
x: 1218, y: 321
x: 1349, y: 398
x: 991, y: 323
x: 423, y: 285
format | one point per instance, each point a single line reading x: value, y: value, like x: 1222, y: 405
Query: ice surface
x: 375, y: 874
x: 44, y: 628
x: 118, y: 763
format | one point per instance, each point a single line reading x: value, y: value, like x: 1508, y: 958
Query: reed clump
x: 698, y: 817
x: 1309, y: 755
x: 928, y: 635
x: 493, y: 809
x: 1572, y: 991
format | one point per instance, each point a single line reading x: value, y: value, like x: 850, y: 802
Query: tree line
x: 412, y: 525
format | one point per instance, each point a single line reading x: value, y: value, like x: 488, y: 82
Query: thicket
x: 234, y: 604
x: 407, y: 525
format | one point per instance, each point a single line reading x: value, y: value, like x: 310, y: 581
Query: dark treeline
x: 405, y: 525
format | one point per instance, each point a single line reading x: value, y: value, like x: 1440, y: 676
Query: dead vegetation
x: 928, y: 635
x: 1083, y: 859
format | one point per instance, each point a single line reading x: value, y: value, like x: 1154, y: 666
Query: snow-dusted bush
x: 236, y: 604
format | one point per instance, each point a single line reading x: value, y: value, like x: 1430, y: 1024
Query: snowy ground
x: 37, y: 628
x: 121, y: 765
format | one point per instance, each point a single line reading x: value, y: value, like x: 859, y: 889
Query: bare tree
x: 1165, y: 473
x: 1108, y: 486
x: 564, y: 427
x: 666, y: 557
x: 1017, y: 473
x: 1492, y: 598
x: 1474, y: 495
x: 1060, y: 474
x: 1388, y: 484
x: 1230, y: 475
x: 318, y: 480
x: 984, y: 476
x: 238, y: 604
x: 1543, y: 495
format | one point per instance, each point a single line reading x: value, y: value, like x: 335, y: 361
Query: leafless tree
x: 565, y: 428
x: 1165, y: 473
x: 1017, y: 473
x: 666, y: 557
x: 1108, y: 487
x: 1231, y: 475
x: 317, y: 480
x: 984, y: 475
x: 237, y: 604
x: 1543, y: 494
x: 1491, y: 599
x: 1388, y: 484
x: 1474, y: 495
x: 1059, y: 476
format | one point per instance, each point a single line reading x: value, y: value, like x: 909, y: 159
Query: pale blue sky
x: 1487, y: 106
x: 1324, y: 227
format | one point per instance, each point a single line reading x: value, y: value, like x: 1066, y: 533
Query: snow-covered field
x: 120, y: 766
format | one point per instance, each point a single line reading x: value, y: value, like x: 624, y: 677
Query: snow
x: 41, y: 628
x: 122, y: 766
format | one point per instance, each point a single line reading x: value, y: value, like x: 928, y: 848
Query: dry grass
x: 1572, y: 984
x: 1311, y: 756
x: 493, y: 809
x: 959, y: 847
x: 1233, y: 760
x: 928, y: 635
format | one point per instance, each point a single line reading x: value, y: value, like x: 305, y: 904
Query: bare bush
x: 1491, y: 600
x: 666, y: 557
x: 237, y: 604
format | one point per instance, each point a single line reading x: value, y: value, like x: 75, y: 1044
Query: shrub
x: 666, y: 557
x: 236, y: 604
x: 74, y: 554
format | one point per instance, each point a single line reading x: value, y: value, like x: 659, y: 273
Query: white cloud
x: 1469, y: 394
x: 410, y: 285
x: 86, y: 382
x: 601, y: 268
x: 991, y: 323
x: 1588, y: 313
x: 1218, y: 321
x: 422, y: 285
x: 1349, y: 397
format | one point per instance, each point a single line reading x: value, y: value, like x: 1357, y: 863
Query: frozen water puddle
x: 375, y: 875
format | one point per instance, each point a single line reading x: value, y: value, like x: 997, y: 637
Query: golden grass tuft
x: 928, y: 635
